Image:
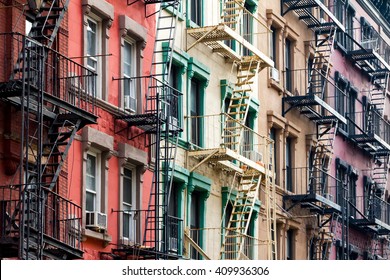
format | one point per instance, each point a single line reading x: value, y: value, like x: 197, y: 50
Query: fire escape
x: 312, y: 102
x: 369, y: 128
x: 52, y: 97
x: 230, y: 153
x: 160, y: 129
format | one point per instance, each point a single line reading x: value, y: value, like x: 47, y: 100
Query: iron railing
x: 210, y: 240
x: 207, y: 132
x: 371, y: 207
x: 303, y: 181
x: 42, y: 68
x: 61, y: 217
x: 369, y: 122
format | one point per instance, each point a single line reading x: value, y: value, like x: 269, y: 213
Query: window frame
x: 133, y: 73
x: 97, y: 192
x: 133, y: 205
x: 288, y: 64
x: 96, y: 57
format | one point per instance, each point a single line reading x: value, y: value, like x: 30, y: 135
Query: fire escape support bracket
x: 201, y: 38
x: 204, y: 160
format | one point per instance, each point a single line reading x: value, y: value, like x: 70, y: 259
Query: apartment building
x: 245, y: 129
x: 72, y: 176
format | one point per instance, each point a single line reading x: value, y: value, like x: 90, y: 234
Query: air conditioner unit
x: 130, y: 103
x: 328, y: 196
x: 173, y: 123
x: 274, y: 74
x: 96, y: 220
x: 253, y: 155
x: 173, y: 242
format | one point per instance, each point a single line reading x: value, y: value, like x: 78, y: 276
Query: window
x: 129, y: 71
x: 129, y: 204
x: 289, y: 175
x: 352, y: 98
x: 247, y: 26
x: 349, y: 28
x: 93, y: 182
x: 174, y: 229
x: 248, y: 134
x: 173, y: 96
x: 341, y: 175
x: 93, y: 59
x: 195, y: 223
x: 28, y: 26
x: 196, y: 11
x: 339, y: 13
x: 290, y: 244
x: 273, y: 45
x: 273, y: 150
x: 288, y: 65
x: 195, y: 112
x: 352, y: 194
x: 340, y: 100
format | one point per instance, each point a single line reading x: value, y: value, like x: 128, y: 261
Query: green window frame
x: 199, y: 73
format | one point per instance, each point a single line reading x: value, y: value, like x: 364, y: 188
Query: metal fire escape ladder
x: 165, y: 137
x: 378, y: 92
x: 239, y: 103
x: 48, y: 21
x: 237, y: 227
x: 30, y: 70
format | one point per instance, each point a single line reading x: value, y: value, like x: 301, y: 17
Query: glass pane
x: 90, y: 202
x: 91, y: 172
x: 126, y: 225
x: 91, y: 38
x: 127, y: 61
x: 127, y: 189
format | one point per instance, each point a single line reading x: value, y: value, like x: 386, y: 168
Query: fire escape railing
x: 65, y: 79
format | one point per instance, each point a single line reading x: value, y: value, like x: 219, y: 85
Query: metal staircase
x: 322, y: 156
x: 53, y: 107
x: 239, y: 221
x: 378, y: 92
x: 323, y: 241
x: 239, y: 103
x: 163, y: 130
x: 48, y: 21
x: 158, y: 104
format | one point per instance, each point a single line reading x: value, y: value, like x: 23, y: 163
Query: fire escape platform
x: 147, y: 122
x: 372, y: 225
x: 362, y: 57
x: 304, y: 102
x: 381, y: 145
x: 302, y: 8
x: 314, y: 201
x: 60, y: 250
x: 225, y: 157
x: 14, y: 98
x: 213, y: 36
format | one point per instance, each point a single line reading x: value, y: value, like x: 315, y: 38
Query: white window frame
x: 97, y: 192
x: 133, y: 230
x: 96, y: 57
x: 128, y: 105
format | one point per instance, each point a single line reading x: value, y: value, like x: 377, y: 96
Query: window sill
x: 103, y: 236
x: 275, y: 85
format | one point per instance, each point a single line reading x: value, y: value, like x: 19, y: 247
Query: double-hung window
x: 129, y: 204
x: 93, y: 182
x: 196, y: 11
x: 129, y: 84
x: 288, y: 65
x: 93, y: 50
x: 195, y: 112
